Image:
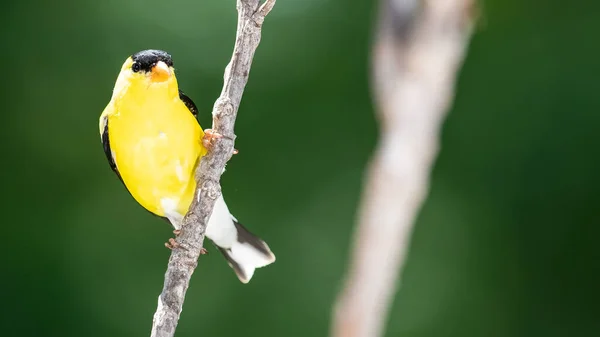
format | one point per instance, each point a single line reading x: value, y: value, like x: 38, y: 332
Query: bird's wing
x: 188, y: 103
x: 194, y: 110
x: 106, y: 143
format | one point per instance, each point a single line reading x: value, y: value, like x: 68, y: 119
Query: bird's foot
x: 172, y: 244
x: 209, y: 136
x: 177, y: 232
x: 203, y: 251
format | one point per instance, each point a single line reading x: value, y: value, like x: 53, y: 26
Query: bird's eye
x: 135, y: 67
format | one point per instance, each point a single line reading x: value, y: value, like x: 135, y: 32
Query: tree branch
x: 183, y: 260
x: 419, y: 47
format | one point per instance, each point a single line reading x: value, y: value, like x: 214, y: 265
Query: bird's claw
x: 172, y: 244
x: 209, y: 136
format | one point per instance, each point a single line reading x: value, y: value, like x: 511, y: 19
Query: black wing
x: 188, y: 103
x: 108, y: 151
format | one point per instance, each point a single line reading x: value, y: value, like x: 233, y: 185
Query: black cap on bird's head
x: 146, y: 59
x: 155, y: 62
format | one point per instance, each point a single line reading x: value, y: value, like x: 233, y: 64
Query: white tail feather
x: 243, y: 250
x: 247, y: 253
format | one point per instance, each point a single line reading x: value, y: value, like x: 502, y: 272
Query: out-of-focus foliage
x: 505, y: 245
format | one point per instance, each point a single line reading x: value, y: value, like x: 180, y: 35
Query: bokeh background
x: 506, y: 244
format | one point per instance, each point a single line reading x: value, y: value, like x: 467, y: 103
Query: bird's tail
x: 247, y: 253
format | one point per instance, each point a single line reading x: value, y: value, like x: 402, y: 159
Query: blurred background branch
x: 419, y: 47
x: 187, y: 248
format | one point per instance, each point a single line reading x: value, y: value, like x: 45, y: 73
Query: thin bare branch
x: 266, y: 7
x: 184, y: 257
x: 418, y: 50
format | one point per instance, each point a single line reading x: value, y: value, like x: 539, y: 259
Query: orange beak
x: 160, y: 72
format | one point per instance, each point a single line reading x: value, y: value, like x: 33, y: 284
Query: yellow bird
x: 153, y: 142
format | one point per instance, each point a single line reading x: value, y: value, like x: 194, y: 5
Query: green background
x: 506, y: 244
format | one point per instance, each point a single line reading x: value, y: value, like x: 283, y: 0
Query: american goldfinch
x: 153, y: 142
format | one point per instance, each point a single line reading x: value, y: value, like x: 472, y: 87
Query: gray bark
x: 184, y: 257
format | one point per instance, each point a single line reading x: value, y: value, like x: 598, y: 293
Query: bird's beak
x: 160, y: 72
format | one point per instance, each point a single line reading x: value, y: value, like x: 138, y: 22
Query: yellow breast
x: 156, y: 142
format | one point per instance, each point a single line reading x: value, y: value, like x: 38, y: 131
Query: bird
x: 153, y: 142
